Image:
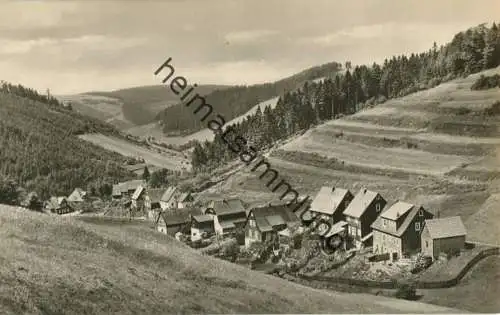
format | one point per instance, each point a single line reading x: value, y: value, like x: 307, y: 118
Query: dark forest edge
x: 40, y: 151
x: 469, y: 52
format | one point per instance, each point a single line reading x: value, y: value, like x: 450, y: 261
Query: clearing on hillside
x: 172, y: 161
x: 66, y: 266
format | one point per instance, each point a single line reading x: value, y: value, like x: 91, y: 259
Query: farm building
x: 263, y: 224
x: 125, y: 189
x: 172, y: 221
x: 138, y: 198
x: 361, y: 213
x: 185, y: 200
x: 169, y: 198
x: 152, y: 202
x: 78, y: 195
x: 398, y: 229
x: 228, y: 214
x: 446, y: 235
x: 200, y: 224
x: 330, y: 203
x: 58, y: 205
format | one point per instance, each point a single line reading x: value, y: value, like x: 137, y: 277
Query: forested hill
x: 234, y: 101
x: 142, y: 104
x: 471, y: 51
x: 39, y: 149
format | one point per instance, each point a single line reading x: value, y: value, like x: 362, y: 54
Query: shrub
x: 484, y: 82
x: 407, y: 291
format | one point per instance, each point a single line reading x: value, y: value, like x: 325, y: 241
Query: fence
x: 392, y: 284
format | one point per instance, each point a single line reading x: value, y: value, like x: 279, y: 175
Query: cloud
x: 248, y: 36
x: 80, y: 43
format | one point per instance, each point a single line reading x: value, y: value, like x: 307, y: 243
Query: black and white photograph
x: 249, y: 157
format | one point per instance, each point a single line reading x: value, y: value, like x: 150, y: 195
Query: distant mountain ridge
x: 237, y: 100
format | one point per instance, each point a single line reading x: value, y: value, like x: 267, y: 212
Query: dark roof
x: 203, y: 218
x: 227, y: 206
x: 378, y: 224
x: 445, y: 227
x: 360, y: 203
x: 178, y: 216
x: 56, y: 202
x: 270, y: 216
x: 126, y: 186
x: 155, y: 195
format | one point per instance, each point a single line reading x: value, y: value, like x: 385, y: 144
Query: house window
x: 252, y: 223
x: 426, y: 243
x: 377, y: 207
x: 420, y: 213
x: 417, y: 226
x: 384, y: 222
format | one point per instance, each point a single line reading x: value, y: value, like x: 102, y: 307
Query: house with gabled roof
x: 126, y: 189
x: 78, y: 195
x: 185, y: 200
x: 152, y: 199
x: 58, y: 205
x: 397, y: 231
x: 330, y: 203
x: 444, y: 235
x: 175, y: 220
x: 264, y: 223
x: 228, y: 214
x: 361, y: 213
x: 201, y: 224
x: 169, y: 198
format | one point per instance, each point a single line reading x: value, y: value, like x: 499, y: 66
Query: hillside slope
x: 130, y: 107
x: 41, y: 151
x: 65, y: 266
x: 435, y: 147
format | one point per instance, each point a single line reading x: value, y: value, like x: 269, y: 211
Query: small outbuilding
x: 445, y: 235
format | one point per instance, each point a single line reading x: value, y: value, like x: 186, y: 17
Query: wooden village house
x: 175, y: 220
x: 152, y: 202
x: 361, y: 213
x: 126, y: 189
x: 169, y: 198
x: 201, y: 224
x: 330, y: 203
x: 398, y: 229
x: 78, y: 195
x: 58, y: 205
x: 445, y: 235
x: 264, y: 223
x: 185, y: 200
x: 228, y: 214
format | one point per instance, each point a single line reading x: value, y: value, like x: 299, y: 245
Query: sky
x: 79, y: 46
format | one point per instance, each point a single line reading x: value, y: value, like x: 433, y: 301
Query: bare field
x: 484, y: 225
x: 484, y: 278
x: 412, y: 161
x: 171, y: 161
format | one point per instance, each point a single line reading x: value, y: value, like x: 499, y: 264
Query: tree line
x: 357, y: 87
